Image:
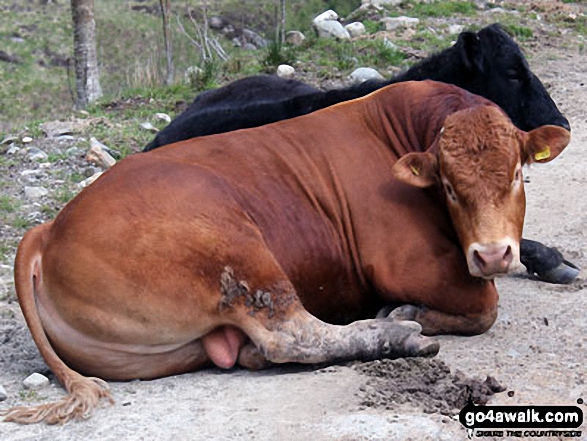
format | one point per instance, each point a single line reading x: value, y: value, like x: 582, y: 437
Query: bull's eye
x: 513, y: 75
x: 450, y: 192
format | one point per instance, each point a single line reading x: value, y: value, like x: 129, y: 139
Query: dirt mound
x: 427, y: 384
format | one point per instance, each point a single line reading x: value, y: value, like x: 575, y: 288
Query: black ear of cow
x: 470, y: 48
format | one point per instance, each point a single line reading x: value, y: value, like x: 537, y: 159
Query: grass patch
x: 8, y: 205
x: 426, y: 41
x: 21, y: 222
x: 63, y: 195
x: 28, y: 395
x: 372, y: 27
x: 519, y: 32
x: 345, y: 55
x: 277, y: 53
x: 441, y: 8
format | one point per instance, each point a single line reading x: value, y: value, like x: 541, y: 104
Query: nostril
x: 508, y: 256
x: 479, y: 261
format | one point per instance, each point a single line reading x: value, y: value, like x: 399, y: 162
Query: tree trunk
x: 165, y: 13
x: 87, y: 78
x: 282, y: 36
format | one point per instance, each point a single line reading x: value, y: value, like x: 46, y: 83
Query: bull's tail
x: 84, y: 393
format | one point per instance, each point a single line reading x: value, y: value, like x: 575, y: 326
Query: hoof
x: 562, y: 274
x: 419, y: 346
x: 411, y: 325
x: 548, y: 264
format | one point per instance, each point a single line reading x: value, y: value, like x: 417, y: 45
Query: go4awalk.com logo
x: 522, y: 421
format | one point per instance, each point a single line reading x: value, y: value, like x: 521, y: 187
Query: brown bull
x: 261, y: 246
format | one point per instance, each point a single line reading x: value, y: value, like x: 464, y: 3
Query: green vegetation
x: 64, y: 194
x: 519, y: 32
x: 372, y: 26
x: 21, y: 222
x: 28, y: 395
x: 277, y: 53
x: 7, y: 205
x: 441, y: 8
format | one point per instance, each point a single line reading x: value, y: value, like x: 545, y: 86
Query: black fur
x: 488, y: 63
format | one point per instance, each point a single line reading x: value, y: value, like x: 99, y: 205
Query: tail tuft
x: 85, y: 394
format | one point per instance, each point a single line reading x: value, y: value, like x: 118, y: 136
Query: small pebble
x: 36, y: 381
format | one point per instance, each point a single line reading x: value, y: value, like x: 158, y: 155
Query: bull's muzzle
x: 488, y: 260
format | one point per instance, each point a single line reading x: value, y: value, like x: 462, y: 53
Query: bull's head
x: 477, y: 165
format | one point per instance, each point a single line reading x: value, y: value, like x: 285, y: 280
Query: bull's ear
x: 544, y: 144
x: 470, y: 50
x: 417, y: 169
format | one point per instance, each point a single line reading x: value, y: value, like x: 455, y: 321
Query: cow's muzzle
x: 488, y: 260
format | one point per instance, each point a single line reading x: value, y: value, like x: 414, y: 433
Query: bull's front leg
x: 302, y: 338
x: 436, y: 322
x: 546, y: 263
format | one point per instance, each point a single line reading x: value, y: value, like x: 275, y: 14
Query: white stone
x: 13, y: 150
x: 285, y: 71
x: 55, y: 128
x: 329, y: 15
x: 455, y: 29
x: 392, y: 23
x: 88, y: 181
x: 295, y: 38
x: 163, y: 117
x: 9, y: 140
x: 27, y: 139
x: 216, y: 22
x: 389, y: 45
x: 36, y: 381
x: 36, y: 154
x: 192, y: 74
x: 30, y: 176
x: 65, y: 138
x: 149, y: 127
x: 356, y: 29
x: 98, y: 154
x: 35, y: 192
x: 495, y: 11
x: 331, y: 29
x: 73, y: 151
x: 381, y: 2
x: 363, y: 74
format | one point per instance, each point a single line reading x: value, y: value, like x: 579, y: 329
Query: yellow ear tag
x: 543, y: 154
x: 415, y: 170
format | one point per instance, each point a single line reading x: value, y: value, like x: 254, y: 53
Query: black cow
x: 488, y: 63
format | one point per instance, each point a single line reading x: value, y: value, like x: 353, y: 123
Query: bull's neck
x: 405, y: 125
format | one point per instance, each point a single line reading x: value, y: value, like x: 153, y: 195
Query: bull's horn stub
x: 415, y: 170
x: 543, y: 154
